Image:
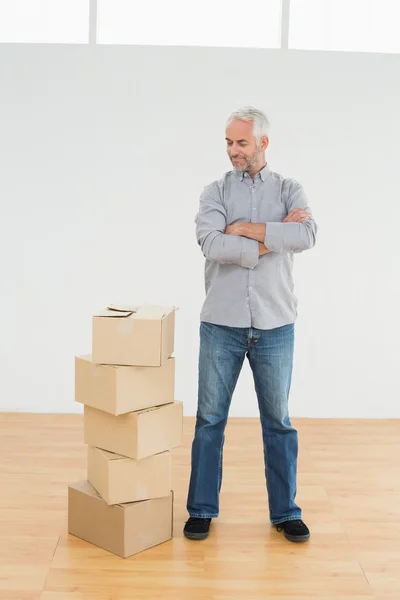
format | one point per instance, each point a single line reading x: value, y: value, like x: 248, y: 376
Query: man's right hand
x: 262, y: 249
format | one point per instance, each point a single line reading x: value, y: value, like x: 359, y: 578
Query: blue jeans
x: 222, y: 353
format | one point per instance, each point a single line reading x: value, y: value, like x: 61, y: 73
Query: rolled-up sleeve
x: 292, y: 237
x: 211, y: 221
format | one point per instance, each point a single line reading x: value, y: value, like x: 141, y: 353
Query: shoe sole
x: 297, y: 538
x: 195, y: 536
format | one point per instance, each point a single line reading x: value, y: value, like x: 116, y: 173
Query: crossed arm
x: 258, y: 231
x: 243, y: 243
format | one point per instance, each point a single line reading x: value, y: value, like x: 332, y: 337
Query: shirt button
x: 254, y: 208
x: 250, y: 288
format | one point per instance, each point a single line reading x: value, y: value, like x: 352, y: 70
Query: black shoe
x: 294, y: 531
x: 196, y: 528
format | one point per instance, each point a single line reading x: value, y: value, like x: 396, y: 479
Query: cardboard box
x: 121, y: 389
x: 119, y: 479
x: 123, y: 529
x: 137, y: 434
x: 137, y: 336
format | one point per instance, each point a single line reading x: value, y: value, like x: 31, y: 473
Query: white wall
x: 103, y: 154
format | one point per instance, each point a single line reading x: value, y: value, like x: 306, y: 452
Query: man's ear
x: 264, y: 143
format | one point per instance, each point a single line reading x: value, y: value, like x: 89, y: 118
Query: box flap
x: 113, y: 311
x: 125, y: 505
x: 88, y: 358
x: 151, y: 311
x: 85, y: 487
x: 145, y: 311
x: 110, y: 455
x: 85, y: 357
x: 123, y: 307
x: 149, y: 409
x: 142, y: 411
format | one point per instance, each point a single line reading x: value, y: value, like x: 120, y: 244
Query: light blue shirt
x: 242, y: 288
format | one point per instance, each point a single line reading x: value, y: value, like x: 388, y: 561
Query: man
x: 249, y: 225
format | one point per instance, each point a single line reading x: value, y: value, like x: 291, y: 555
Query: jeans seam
x: 220, y: 469
x: 206, y: 516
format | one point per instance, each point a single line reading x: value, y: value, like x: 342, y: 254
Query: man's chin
x: 240, y: 167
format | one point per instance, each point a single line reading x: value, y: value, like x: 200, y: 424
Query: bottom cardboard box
x: 122, y: 529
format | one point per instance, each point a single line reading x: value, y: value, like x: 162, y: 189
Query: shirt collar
x: 263, y: 173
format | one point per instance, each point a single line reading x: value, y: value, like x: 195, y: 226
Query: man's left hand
x: 234, y: 229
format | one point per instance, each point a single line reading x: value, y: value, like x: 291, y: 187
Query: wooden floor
x: 349, y: 490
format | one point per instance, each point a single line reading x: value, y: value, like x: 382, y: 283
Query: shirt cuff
x: 250, y: 253
x: 274, y: 236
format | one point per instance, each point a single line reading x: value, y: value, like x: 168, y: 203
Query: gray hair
x: 259, y: 119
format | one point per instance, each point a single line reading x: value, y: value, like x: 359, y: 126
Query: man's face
x: 243, y: 151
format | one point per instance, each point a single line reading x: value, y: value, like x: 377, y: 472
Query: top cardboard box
x: 135, y: 336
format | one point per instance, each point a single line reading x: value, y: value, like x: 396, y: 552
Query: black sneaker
x: 196, y: 528
x: 294, y: 531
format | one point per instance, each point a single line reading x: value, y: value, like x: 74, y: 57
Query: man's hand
x: 255, y: 231
x: 234, y: 229
x: 298, y: 215
x: 248, y: 229
x: 262, y: 249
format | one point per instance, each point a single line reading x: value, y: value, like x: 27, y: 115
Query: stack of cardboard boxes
x: 131, y: 422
